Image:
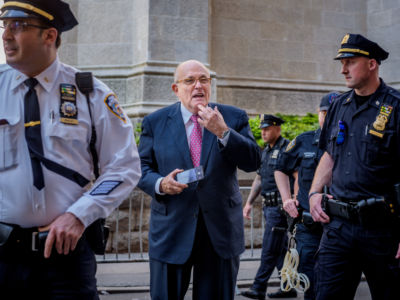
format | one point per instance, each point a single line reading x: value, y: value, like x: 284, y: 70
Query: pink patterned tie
x: 195, y: 141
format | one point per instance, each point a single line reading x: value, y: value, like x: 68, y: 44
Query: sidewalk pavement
x: 129, y: 280
x: 120, y: 277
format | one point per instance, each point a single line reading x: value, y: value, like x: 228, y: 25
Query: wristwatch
x: 224, y: 134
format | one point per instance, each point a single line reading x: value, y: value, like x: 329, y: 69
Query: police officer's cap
x: 55, y: 13
x: 357, y: 45
x: 327, y: 100
x: 270, y: 120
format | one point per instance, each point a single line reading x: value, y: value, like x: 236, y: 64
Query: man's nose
x: 344, y: 69
x: 197, y: 84
x: 7, y: 34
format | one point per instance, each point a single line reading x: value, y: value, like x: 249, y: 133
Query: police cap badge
x: 357, y: 45
x: 270, y: 120
x: 55, y: 13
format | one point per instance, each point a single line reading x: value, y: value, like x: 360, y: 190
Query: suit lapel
x: 206, y: 146
x: 178, y: 133
x: 209, y: 140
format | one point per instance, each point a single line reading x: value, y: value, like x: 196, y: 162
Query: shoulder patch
x: 112, y: 104
x: 291, y: 145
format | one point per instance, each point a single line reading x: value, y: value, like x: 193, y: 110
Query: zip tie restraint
x: 290, y: 278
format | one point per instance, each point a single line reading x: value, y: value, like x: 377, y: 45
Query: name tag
x: 309, y: 154
x: 275, y: 154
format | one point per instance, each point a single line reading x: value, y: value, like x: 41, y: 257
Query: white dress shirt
x: 20, y: 202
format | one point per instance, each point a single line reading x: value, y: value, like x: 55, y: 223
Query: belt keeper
x: 35, y: 241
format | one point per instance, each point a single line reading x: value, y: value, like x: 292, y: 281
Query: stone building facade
x: 266, y: 56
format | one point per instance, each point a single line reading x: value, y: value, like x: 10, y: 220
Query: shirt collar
x: 46, y: 79
x: 186, y: 114
x: 277, y: 144
x: 374, y: 100
x: 317, y: 134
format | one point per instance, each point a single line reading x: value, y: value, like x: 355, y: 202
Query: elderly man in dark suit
x: 198, y: 225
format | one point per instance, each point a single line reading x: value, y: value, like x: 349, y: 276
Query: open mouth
x: 198, y: 95
x: 9, y: 49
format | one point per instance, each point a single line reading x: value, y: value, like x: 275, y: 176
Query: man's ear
x: 174, y: 88
x: 373, y: 64
x: 50, y: 35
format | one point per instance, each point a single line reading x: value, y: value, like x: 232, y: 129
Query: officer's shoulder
x: 298, y: 140
x: 339, y: 100
x: 394, y: 93
x: 69, y: 72
x: 4, y: 68
x: 305, y: 135
x: 342, y: 97
x: 7, y: 74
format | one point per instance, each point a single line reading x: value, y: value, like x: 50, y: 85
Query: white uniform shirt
x: 20, y: 202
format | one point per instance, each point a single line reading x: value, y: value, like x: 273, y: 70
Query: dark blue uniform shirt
x: 303, y: 155
x: 364, y: 143
x: 269, y: 161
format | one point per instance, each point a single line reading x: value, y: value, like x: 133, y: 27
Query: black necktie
x: 32, y: 131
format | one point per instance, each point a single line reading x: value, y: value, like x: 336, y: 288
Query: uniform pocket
x: 277, y: 240
x: 67, y: 132
x: 308, y: 166
x: 376, y: 150
x: 8, y: 145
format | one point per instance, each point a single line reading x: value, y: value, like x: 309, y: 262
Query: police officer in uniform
x: 361, y: 140
x: 274, y: 240
x: 46, y: 199
x: 302, y: 156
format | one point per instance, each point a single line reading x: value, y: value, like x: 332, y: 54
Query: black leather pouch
x: 5, y: 232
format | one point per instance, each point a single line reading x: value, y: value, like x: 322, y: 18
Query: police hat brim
x: 16, y: 14
x: 347, y: 55
x: 265, y: 125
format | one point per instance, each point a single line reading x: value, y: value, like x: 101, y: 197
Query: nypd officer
x: 45, y: 164
x: 274, y: 240
x: 361, y: 140
x: 302, y: 156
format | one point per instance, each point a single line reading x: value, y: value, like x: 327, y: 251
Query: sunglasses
x: 341, y: 134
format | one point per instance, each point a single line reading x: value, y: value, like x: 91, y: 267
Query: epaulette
x: 344, y: 94
x: 395, y: 93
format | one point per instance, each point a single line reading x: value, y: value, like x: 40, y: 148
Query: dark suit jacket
x: 164, y: 147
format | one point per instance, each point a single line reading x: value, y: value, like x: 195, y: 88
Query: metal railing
x: 128, y: 256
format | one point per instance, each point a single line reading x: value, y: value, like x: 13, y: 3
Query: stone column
x: 383, y: 23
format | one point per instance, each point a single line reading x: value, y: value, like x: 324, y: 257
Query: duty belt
x: 28, y: 239
x: 271, y: 199
x: 366, y: 212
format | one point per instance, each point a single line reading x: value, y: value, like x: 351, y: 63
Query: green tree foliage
x: 293, y: 126
x: 137, y: 131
